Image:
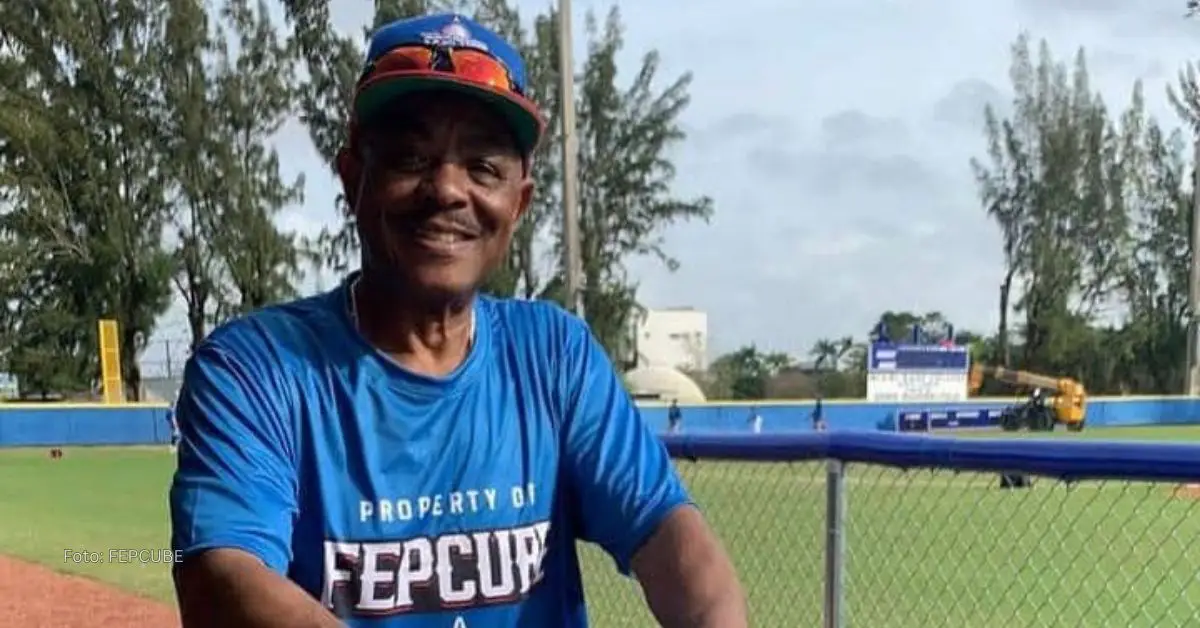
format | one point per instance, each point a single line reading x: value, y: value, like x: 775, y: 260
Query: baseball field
x: 924, y: 549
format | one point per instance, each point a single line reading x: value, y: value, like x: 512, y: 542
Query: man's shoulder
x: 539, y: 332
x: 280, y: 331
x: 540, y: 318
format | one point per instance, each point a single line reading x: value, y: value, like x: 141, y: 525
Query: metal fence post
x: 835, y: 541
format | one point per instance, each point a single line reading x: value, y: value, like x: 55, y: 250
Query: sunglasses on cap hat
x: 473, y: 66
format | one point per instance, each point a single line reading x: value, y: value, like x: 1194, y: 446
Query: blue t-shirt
x: 401, y: 500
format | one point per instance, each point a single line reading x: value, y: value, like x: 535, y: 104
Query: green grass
x: 924, y: 549
x: 93, y: 499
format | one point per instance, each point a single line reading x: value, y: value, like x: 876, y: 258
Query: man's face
x: 444, y: 186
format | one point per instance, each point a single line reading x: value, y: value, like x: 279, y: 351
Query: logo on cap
x: 455, y: 35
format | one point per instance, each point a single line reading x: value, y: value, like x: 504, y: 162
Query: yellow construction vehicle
x: 1067, y: 403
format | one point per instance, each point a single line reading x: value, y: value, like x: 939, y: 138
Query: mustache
x: 426, y: 215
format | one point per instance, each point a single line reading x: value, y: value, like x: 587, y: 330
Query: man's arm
x: 229, y: 587
x: 687, y: 577
x: 631, y: 500
x: 233, y: 498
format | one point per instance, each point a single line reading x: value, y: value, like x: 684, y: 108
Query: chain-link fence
x: 770, y: 517
x: 962, y: 538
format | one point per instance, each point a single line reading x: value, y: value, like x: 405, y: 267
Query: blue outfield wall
x: 25, y: 425
x: 29, y: 425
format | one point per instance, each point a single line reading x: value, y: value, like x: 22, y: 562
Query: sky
x: 834, y: 137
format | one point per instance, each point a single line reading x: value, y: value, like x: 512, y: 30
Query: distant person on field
x: 755, y: 420
x: 818, y: 416
x: 404, y: 450
x: 674, y: 418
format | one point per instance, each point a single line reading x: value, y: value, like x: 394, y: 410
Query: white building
x: 675, y: 338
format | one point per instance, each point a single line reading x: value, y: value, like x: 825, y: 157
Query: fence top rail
x: 1056, y: 458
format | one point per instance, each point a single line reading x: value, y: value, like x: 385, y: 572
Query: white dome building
x: 661, y: 383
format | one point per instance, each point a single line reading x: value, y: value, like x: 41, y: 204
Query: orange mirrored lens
x: 405, y: 59
x: 470, y: 65
x: 480, y: 68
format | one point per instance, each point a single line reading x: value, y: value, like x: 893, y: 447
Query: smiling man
x: 402, y: 451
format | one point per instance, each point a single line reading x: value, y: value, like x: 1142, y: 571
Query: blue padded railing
x: 1055, y: 458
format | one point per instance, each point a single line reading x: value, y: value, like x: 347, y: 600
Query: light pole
x: 572, y: 260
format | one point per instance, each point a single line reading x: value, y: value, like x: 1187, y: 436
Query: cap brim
x: 381, y: 91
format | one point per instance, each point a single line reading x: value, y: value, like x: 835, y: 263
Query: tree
x: 81, y: 120
x: 194, y: 170
x: 824, y: 352
x: 1055, y: 184
x: 744, y: 374
x: 230, y: 89
x: 253, y: 95
x: 1154, y: 342
x: 625, y: 177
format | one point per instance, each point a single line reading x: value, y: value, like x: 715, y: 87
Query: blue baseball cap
x: 381, y: 85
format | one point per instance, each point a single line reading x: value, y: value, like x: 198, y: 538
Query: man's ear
x: 350, y: 171
x: 525, y: 199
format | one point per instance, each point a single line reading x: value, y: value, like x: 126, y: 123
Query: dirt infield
x: 34, y: 596
x: 1187, y: 491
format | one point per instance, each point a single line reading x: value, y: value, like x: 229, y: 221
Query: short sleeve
x: 235, y: 484
x: 622, y: 476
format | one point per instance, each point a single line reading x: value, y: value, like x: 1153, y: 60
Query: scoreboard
x: 902, y: 373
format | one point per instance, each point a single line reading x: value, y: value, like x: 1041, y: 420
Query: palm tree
x: 844, y: 347
x: 823, y: 351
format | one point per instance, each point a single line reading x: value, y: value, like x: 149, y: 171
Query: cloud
x: 1129, y: 63
x: 748, y: 123
x: 1118, y: 18
x: 837, y: 244
x: 852, y: 127
x: 740, y: 129
x: 964, y: 105
x: 827, y: 172
x: 1079, y: 8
